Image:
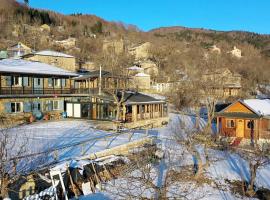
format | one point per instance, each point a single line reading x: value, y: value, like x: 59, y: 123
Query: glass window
x: 17, y: 81
x: 250, y: 124
x: 16, y: 107
x: 56, y: 105
x: 230, y: 123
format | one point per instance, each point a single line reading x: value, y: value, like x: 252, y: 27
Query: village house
x: 66, y: 44
x: 18, y: 50
x: 247, y: 120
x: 117, y: 46
x: 58, y: 59
x: 142, y: 81
x: 45, y: 27
x: 236, y: 52
x: 29, y: 87
x: 140, y: 51
x: 227, y: 83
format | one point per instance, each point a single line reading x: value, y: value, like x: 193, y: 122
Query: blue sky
x: 248, y: 15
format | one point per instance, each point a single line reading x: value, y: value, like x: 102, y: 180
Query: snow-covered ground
x: 71, y: 138
x: 78, y: 138
x: 225, y: 166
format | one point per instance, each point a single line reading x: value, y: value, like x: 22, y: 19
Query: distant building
x: 142, y: 81
x: 141, y: 51
x: 236, y: 52
x: 149, y: 67
x: 246, y: 119
x: 214, y: 48
x: 68, y: 43
x: 117, y: 46
x: 45, y: 27
x: 58, y: 59
x: 227, y: 83
x: 18, y: 50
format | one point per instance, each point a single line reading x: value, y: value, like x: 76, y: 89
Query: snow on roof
x: 142, y: 75
x: 135, y: 68
x: 30, y: 67
x: 260, y: 106
x: 52, y: 53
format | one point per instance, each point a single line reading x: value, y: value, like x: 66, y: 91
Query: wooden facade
x: 241, y: 121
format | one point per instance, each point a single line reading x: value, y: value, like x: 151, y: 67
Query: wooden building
x: 139, y: 107
x: 57, y: 59
x: 247, y: 119
x: 27, y: 87
x: 226, y: 83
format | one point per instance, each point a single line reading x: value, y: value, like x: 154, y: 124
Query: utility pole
x: 99, y: 91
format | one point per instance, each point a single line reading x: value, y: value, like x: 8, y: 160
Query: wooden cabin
x: 139, y: 107
x: 247, y: 119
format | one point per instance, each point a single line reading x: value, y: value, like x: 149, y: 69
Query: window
x: 17, y: 81
x: 57, y: 82
x: 230, y: 123
x: 16, y: 107
x: 250, y: 124
x: 56, y: 105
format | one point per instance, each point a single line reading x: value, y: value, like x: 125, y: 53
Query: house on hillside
x: 246, y: 119
x: 45, y: 28
x: 68, y: 43
x: 140, y: 51
x: 18, y: 50
x: 227, y: 83
x: 58, y: 59
x: 142, y: 81
x: 3, y: 55
x: 28, y: 87
x: 236, y: 52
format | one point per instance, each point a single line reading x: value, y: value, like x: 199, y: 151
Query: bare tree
x: 11, y: 147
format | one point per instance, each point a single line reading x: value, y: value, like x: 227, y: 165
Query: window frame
x: 16, y: 107
x: 58, y: 105
x: 230, y: 120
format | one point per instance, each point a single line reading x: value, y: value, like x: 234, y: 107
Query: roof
x: 260, y: 107
x: 135, y: 68
x: 142, y: 75
x: 93, y: 74
x: 19, y: 45
x: 52, y: 53
x: 139, y: 98
x: 31, y: 67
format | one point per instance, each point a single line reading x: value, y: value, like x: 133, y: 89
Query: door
x: 69, y: 109
x: 77, y: 110
x: 240, y: 128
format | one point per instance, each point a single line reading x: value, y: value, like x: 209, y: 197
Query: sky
x: 246, y: 15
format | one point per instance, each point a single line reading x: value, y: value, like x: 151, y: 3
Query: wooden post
x: 43, y: 85
x: 217, y: 125
x: 72, y: 183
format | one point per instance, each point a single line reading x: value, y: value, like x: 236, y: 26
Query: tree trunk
x: 253, y: 170
x: 118, y: 108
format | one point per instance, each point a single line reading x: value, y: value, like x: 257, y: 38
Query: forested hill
x: 173, y: 48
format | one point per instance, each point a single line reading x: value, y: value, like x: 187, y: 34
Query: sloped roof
x: 142, y: 75
x: 30, y: 67
x: 260, y: 107
x: 52, y: 53
x: 139, y: 98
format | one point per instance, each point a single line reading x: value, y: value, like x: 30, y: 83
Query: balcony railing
x: 46, y: 91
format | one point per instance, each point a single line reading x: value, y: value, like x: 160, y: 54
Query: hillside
x: 172, y: 48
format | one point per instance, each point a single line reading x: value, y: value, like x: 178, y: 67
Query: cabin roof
x: 21, y: 66
x: 260, y: 107
x: 139, y: 98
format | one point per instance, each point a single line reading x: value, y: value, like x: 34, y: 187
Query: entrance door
x: 240, y: 128
x: 69, y: 109
x: 77, y: 110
